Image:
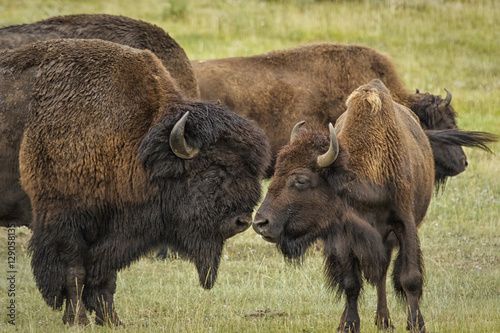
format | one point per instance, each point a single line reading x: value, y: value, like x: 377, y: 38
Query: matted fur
x: 104, y: 184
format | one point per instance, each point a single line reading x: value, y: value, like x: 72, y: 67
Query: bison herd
x: 113, y: 143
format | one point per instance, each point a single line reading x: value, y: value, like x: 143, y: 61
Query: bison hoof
x: 112, y: 320
x: 348, y: 328
x: 384, y: 324
x: 80, y: 320
x: 414, y: 329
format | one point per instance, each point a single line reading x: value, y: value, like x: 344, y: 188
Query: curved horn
x: 448, y: 97
x: 178, y: 142
x: 444, y: 104
x: 331, y: 155
x: 295, y: 130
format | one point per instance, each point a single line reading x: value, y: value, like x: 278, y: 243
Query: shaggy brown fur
x: 104, y: 183
x: 15, y: 209
x: 312, y: 83
x: 119, y: 29
x: 370, y: 199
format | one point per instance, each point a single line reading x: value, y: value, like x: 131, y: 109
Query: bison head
x: 305, y: 201
x: 207, y: 164
x: 435, y: 114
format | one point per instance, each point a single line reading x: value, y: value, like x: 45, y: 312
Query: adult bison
x: 14, y: 205
x: 363, y: 191
x: 119, y: 29
x: 116, y: 162
x: 312, y: 83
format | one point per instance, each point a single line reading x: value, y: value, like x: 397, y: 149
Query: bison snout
x: 261, y: 226
x: 464, y: 162
x: 238, y: 224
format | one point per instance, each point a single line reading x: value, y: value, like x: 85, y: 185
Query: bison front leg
x: 346, y: 275
x: 105, y: 311
x: 75, y: 312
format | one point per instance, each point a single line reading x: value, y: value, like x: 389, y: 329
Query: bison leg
x: 382, y: 318
x: 75, y: 312
x: 346, y: 274
x: 408, y: 275
x: 105, y: 310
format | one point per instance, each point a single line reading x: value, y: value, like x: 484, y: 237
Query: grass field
x: 435, y: 44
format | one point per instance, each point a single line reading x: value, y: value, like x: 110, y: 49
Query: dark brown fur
x: 312, y: 83
x: 104, y: 184
x: 14, y: 205
x: 371, y: 199
x: 118, y: 29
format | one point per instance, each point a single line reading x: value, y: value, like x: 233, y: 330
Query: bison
x: 14, y: 204
x: 362, y: 191
x: 116, y: 163
x: 312, y: 83
x: 119, y: 29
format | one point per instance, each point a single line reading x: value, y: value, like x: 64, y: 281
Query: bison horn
x: 448, y: 97
x: 296, y: 129
x: 330, y: 156
x: 444, y: 104
x: 178, y: 142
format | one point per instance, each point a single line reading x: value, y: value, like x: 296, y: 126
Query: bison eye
x: 301, y: 183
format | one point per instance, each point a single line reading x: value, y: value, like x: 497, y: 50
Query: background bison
x: 364, y: 196
x: 119, y: 29
x: 312, y: 83
x: 14, y: 205
x: 110, y: 177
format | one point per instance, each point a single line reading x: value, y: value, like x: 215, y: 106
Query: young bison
x: 364, y: 196
x: 116, y: 163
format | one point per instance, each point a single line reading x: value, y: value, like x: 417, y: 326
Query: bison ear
x: 156, y: 155
x: 339, y: 180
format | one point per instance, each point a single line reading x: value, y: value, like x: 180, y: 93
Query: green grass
x: 435, y: 44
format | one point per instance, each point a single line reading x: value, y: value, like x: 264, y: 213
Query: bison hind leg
x: 408, y: 276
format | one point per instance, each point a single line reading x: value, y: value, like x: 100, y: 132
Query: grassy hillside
x: 435, y: 44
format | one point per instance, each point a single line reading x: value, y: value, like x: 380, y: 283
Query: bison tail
x: 458, y: 137
x: 48, y: 269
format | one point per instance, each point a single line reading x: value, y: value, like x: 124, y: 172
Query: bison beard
x: 117, y: 163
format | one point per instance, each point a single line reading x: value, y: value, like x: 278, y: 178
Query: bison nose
x: 243, y: 223
x: 465, y: 163
x: 261, y: 226
x: 237, y: 225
